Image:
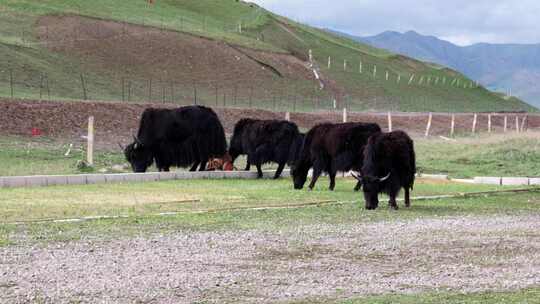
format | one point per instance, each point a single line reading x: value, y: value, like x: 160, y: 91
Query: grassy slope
x: 262, y: 30
x: 520, y: 296
x: 468, y: 157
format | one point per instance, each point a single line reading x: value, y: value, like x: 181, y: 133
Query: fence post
x: 523, y: 123
x: 48, y: 88
x: 344, y: 114
x: 90, y: 141
x: 287, y: 116
x: 453, y: 125
x: 123, y: 89
x: 195, y: 93
x: 360, y: 67
x: 83, y: 87
x: 129, y: 91
x: 389, y: 121
x: 345, y: 65
x: 217, y: 94
x: 40, y: 86
x: 489, y: 123
x: 150, y: 90
x: 505, y: 123
x: 11, y: 82
x: 475, y: 119
x: 428, y: 127
x: 329, y: 62
x: 517, y: 124
x: 251, y: 97
x: 374, y: 71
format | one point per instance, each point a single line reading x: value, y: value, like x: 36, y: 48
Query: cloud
x: 460, y: 21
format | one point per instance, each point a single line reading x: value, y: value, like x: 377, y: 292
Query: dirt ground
x: 465, y: 254
x: 119, y: 121
x: 152, y: 53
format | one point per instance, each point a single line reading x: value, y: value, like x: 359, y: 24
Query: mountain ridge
x: 510, y: 68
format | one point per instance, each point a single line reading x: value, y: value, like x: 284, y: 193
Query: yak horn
x: 356, y: 175
x: 385, y: 178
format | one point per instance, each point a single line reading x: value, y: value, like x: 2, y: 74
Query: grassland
x: 431, y: 88
x: 521, y: 296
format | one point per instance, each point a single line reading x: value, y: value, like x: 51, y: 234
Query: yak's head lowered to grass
x: 372, y: 186
x: 139, y: 156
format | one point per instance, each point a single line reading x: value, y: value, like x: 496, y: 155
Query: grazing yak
x: 331, y: 148
x: 187, y: 136
x: 265, y: 141
x: 389, y: 165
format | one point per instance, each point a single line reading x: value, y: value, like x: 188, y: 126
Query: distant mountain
x: 501, y: 67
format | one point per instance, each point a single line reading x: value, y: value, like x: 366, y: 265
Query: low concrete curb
x: 88, y: 179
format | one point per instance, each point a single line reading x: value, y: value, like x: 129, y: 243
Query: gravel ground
x: 337, y: 261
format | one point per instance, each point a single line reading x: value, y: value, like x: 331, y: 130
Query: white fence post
x: 517, y: 124
x: 475, y: 120
x: 505, y: 123
x: 523, y: 123
x: 428, y: 127
x: 489, y: 123
x: 453, y: 125
x: 344, y: 114
x: 389, y: 121
x: 287, y: 116
x: 329, y: 62
x: 90, y: 142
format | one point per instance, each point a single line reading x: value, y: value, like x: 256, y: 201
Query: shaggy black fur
x: 187, y: 136
x: 389, y: 157
x: 331, y: 148
x: 265, y: 141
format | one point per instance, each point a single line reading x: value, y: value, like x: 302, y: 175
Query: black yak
x: 265, y: 141
x: 187, y: 136
x: 331, y: 148
x: 389, y: 165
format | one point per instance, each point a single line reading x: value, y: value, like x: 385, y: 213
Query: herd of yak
x: 193, y: 136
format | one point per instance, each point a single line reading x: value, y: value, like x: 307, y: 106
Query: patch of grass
x: 481, y: 156
x: 41, y: 156
x: 521, y: 296
x: 138, y: 199
x: 142, y: 201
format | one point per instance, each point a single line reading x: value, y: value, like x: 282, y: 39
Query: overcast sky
x: 460, y: 21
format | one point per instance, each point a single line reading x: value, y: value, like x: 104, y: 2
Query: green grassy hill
x: 214, y: 52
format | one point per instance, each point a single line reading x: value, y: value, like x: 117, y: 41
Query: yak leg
x: 195, y: 165
x: 248, y: 166
x: 317, y: 171
x: 203, y: 165
x: 392, y: 202
x: 259, y: 171
x: 407, y: 197
x: 165, y: 169
x: 358, y: 186
x: 332, y: 174
x: 279, y: 170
